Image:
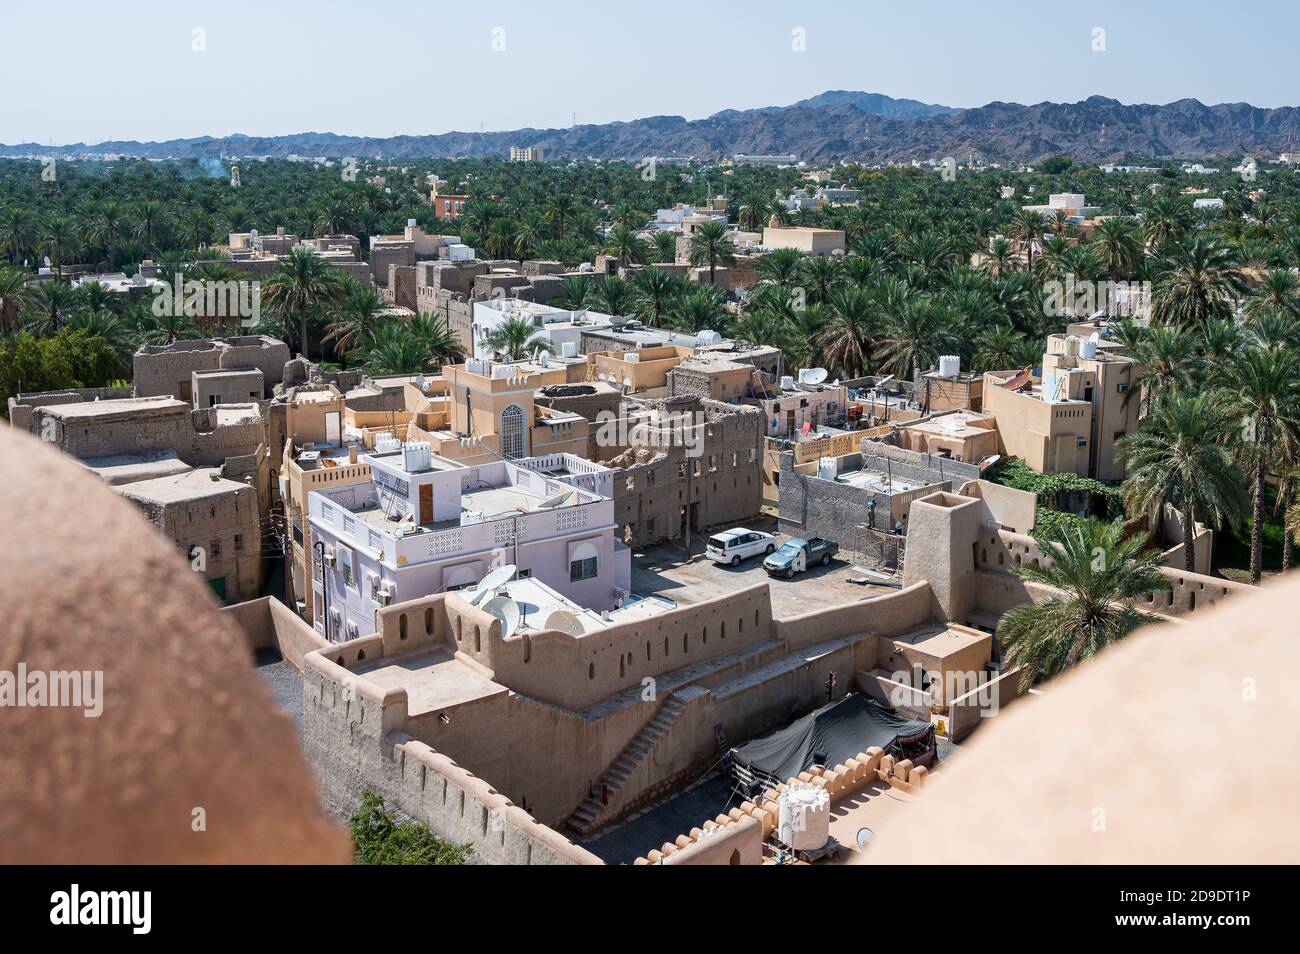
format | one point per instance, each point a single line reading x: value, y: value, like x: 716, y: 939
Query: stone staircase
x: 591, y: 814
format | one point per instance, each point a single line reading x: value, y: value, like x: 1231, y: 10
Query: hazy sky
x: 92, y: 70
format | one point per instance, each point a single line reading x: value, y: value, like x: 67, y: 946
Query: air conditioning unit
x: 330, y: 558
x: 1121, y: 388
x: 384, y: 596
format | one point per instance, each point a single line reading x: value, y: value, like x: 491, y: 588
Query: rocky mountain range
x: 837, y: 124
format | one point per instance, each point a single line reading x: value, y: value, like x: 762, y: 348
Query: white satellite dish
x: 420, y: 382
x: 489, y: 583
x: 504, y: 609
x: 564, y: 622
x: 815, y: 375
x: 555, y: 501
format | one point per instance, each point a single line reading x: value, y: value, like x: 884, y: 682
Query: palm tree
x: 616, y: 296
x: 846, y: 339
x: 395, y: 350
x: 19, y: 231
x: 1196, y: 283
x: 1179, y: 457
x: 624, y: 244
x: 355, y: 318
x: 654, y: 291
x: 514, y: 339
x: 1264, y: 396
x: 1096, y: 572
x: 1119, y: 241
x: 998, y: 349
x: 999, y: 257
x: 665, y: 247
x: 1027, y: 228
x: 1279, y: 293
x: 50, y: 304
x: 820, y: 275
x: 780, y: 267
x: 560, y: 211
x: 579, y: 293
x: 436, y: 337
x: 300, y: 286
x: 710, y: 243
x: 916, y: 331
x: 13, y: 293
x: 698, y: 309
x: 57, y: 234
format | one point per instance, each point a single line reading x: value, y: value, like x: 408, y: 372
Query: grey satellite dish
x: 420, y: 382
x: 46, y: 260
x: 504, y: 609
x: 555, y: 501
x: 498, y: 577
x: 864, y: 837
x: 815, y: 375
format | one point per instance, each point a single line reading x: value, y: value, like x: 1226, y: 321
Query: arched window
x: 512, y: 432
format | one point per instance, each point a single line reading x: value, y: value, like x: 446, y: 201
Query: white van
x: 732, y: 546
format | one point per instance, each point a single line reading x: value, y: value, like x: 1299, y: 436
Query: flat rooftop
x: 432, y: 680
x: 131, y: 468
x: 123, y: 407
x: 940, y: 640
x: 957, y: 424
x: 880, y: 482
x: 175, y: 488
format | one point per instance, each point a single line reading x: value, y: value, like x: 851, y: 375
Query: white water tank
x: 417, y: 456
x: 569, y: 349
x: 1072, y: 346
x: 949, y: 365
x: 787, y: 383
x: 1088, y: 347
x: 827, y: 468
x: 805, y: 820
x: 460, y: 253
x: 385, y: 443
x: 631, y: 356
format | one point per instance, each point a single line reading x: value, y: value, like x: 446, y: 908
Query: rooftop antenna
x: 486, y: 586
x: 506, y: 610
x: 555, y: 501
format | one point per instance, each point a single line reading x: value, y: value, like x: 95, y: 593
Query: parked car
x: 732, y: 546
x: 795, y: 556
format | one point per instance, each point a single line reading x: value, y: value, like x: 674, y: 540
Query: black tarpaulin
x: 836, y: 733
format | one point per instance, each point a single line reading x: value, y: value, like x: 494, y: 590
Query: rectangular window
x: 582, y: 570
x: 239, y: 543
x: 215, y: 549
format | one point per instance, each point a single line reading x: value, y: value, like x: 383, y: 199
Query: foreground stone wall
x: 352, y: 736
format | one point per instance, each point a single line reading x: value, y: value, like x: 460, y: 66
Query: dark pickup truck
x: 795, y: 556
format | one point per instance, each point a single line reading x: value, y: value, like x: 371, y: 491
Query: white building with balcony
x: 425, y: 524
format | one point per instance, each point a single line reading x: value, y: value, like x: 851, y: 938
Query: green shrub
x: 378, y: 838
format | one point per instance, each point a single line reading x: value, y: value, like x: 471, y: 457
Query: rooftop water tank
x: 949, y: 365
x: 805, y: 820
x: 827, y: 468
x: 386, y: 444
x: 417, y: 456
x: 1088, y: 347
x: 569, y: 349
x: 787, y: 383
